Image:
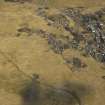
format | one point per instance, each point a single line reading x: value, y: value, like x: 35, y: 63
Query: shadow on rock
x: 79, y: 91
x: 70, y: 93
x: 31, y: 92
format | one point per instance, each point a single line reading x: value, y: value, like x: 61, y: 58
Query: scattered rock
x: 78, y: 63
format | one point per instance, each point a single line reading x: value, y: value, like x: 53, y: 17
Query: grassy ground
x: 32, y: 55
x: 62, y: 3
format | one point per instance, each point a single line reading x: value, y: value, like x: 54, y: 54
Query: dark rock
x: 100, y: 57
x: 76, y: 62
x: 24, y: 29
x: 103, y: 77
